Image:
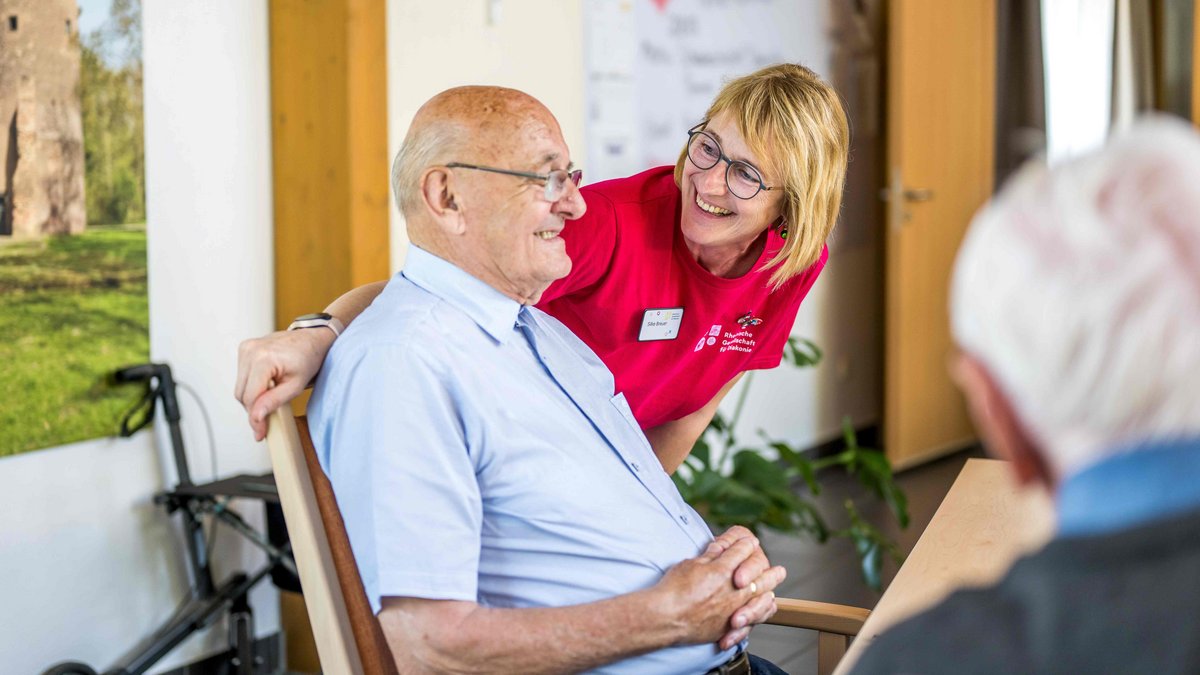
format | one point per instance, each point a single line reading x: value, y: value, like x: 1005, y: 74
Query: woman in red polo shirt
x: 682, y: 277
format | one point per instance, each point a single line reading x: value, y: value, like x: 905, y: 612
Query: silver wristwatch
x: 318, y: 320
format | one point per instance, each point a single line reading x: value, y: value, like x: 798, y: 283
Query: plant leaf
x: 742, y: 509
x: 803, y: 353
x: 708, y: 486
x: 813, y: 522
x: 848, y: 434
x: 874, y: 472
x: 870, y: 544
x: 754, y: 470
x: 803, y: 465
x: 870, y: 561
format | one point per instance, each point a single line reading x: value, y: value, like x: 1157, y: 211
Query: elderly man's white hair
x: 1079, y: 288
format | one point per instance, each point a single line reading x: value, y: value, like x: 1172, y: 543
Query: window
x: 68, y: 27
x: 12, y: 22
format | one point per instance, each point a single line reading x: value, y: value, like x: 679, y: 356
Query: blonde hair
x: 794, y: 122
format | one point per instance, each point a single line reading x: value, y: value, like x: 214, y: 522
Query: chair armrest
x: 819, y: 616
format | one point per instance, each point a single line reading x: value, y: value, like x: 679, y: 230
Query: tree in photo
x: 111, y: 93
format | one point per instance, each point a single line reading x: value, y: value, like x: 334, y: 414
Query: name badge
x: 660, y: 324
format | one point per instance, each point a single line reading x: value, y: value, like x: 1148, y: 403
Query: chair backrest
x: 348, y: 636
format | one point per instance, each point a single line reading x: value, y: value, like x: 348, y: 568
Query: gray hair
x: 1079, y: 288
x: 436, y: 142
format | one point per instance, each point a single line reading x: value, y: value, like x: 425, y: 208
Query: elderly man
x: 505, y: 510
x: 1076, y: 306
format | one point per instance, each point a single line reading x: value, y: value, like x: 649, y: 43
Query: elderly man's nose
x: 571, y: 205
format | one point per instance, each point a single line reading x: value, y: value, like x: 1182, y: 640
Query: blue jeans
x: 764, y: 667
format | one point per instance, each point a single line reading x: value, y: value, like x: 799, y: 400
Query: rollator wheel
x: 70, y: 668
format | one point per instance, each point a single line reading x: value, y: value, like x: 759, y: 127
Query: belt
x: 738, y: 665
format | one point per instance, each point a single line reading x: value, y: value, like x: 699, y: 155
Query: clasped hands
x: 724, y: 592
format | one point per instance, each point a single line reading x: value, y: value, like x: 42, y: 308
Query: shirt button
x: 684, y: 519
x: 636, y: 467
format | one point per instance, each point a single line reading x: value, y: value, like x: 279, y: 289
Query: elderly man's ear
x: 1004, y: 435
x: 442, y: 200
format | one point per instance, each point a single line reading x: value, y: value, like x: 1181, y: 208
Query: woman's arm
x: 352, y: 303
x: 673, y: 441
x: 275, y: 368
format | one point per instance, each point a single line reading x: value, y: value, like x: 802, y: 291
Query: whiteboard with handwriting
x: 653, y: 67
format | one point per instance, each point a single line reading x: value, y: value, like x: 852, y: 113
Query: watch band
x: 318, y: 320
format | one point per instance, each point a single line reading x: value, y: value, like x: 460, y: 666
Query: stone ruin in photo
x: 41, y: 127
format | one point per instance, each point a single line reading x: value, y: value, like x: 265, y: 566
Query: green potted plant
x: 771, y: 484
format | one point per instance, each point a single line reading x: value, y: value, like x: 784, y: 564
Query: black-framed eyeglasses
x: 555, y: 181
x: 743, y: 180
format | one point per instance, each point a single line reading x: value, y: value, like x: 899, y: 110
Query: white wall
x: 532, y: 45
x: 88, y: 566
x: 538, y: 46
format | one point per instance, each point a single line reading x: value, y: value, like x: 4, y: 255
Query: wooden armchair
x: 349, y: 638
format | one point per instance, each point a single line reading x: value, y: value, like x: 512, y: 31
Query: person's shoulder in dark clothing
x: 937, y: 640
x: 1125, y: 602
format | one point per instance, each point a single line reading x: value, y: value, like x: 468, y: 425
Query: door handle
x: 897, y: 214
x: 908, y: 194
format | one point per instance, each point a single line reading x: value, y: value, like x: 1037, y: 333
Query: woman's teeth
x: 715, y: 210
x: 545, y: 235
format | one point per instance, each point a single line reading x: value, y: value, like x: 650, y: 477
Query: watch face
x: 318, y: 315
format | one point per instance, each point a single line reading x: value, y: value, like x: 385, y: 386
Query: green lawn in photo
x: 72, y: 310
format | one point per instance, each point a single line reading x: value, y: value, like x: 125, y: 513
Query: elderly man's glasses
x: 743, y: 180
x: 555, y: 181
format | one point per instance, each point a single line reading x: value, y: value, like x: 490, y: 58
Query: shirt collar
x: 1144, y: 482
x: 493, y: 311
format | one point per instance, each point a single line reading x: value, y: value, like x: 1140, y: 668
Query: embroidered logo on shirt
x: 741, y: 341
x: 710, y: 339
x: 748, y: 319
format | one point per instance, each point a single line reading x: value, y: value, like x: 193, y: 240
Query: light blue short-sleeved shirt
x: 1140, y: 483
x: 478, y: 452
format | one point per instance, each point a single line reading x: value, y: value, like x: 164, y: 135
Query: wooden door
x: 330, y: 150
x: 940, y: 112
x: 330, y: 172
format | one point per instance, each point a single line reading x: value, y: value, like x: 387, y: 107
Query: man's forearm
x: 691, y: 604
x: 449, y: 636
x: 352, y: 303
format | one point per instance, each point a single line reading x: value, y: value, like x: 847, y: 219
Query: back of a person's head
x: 1079, y: 288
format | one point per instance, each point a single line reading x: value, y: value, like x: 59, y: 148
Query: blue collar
x: 493, y: 311
x: 1143, y: 482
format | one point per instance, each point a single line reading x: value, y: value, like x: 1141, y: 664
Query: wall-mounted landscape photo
x: 73, y: 304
